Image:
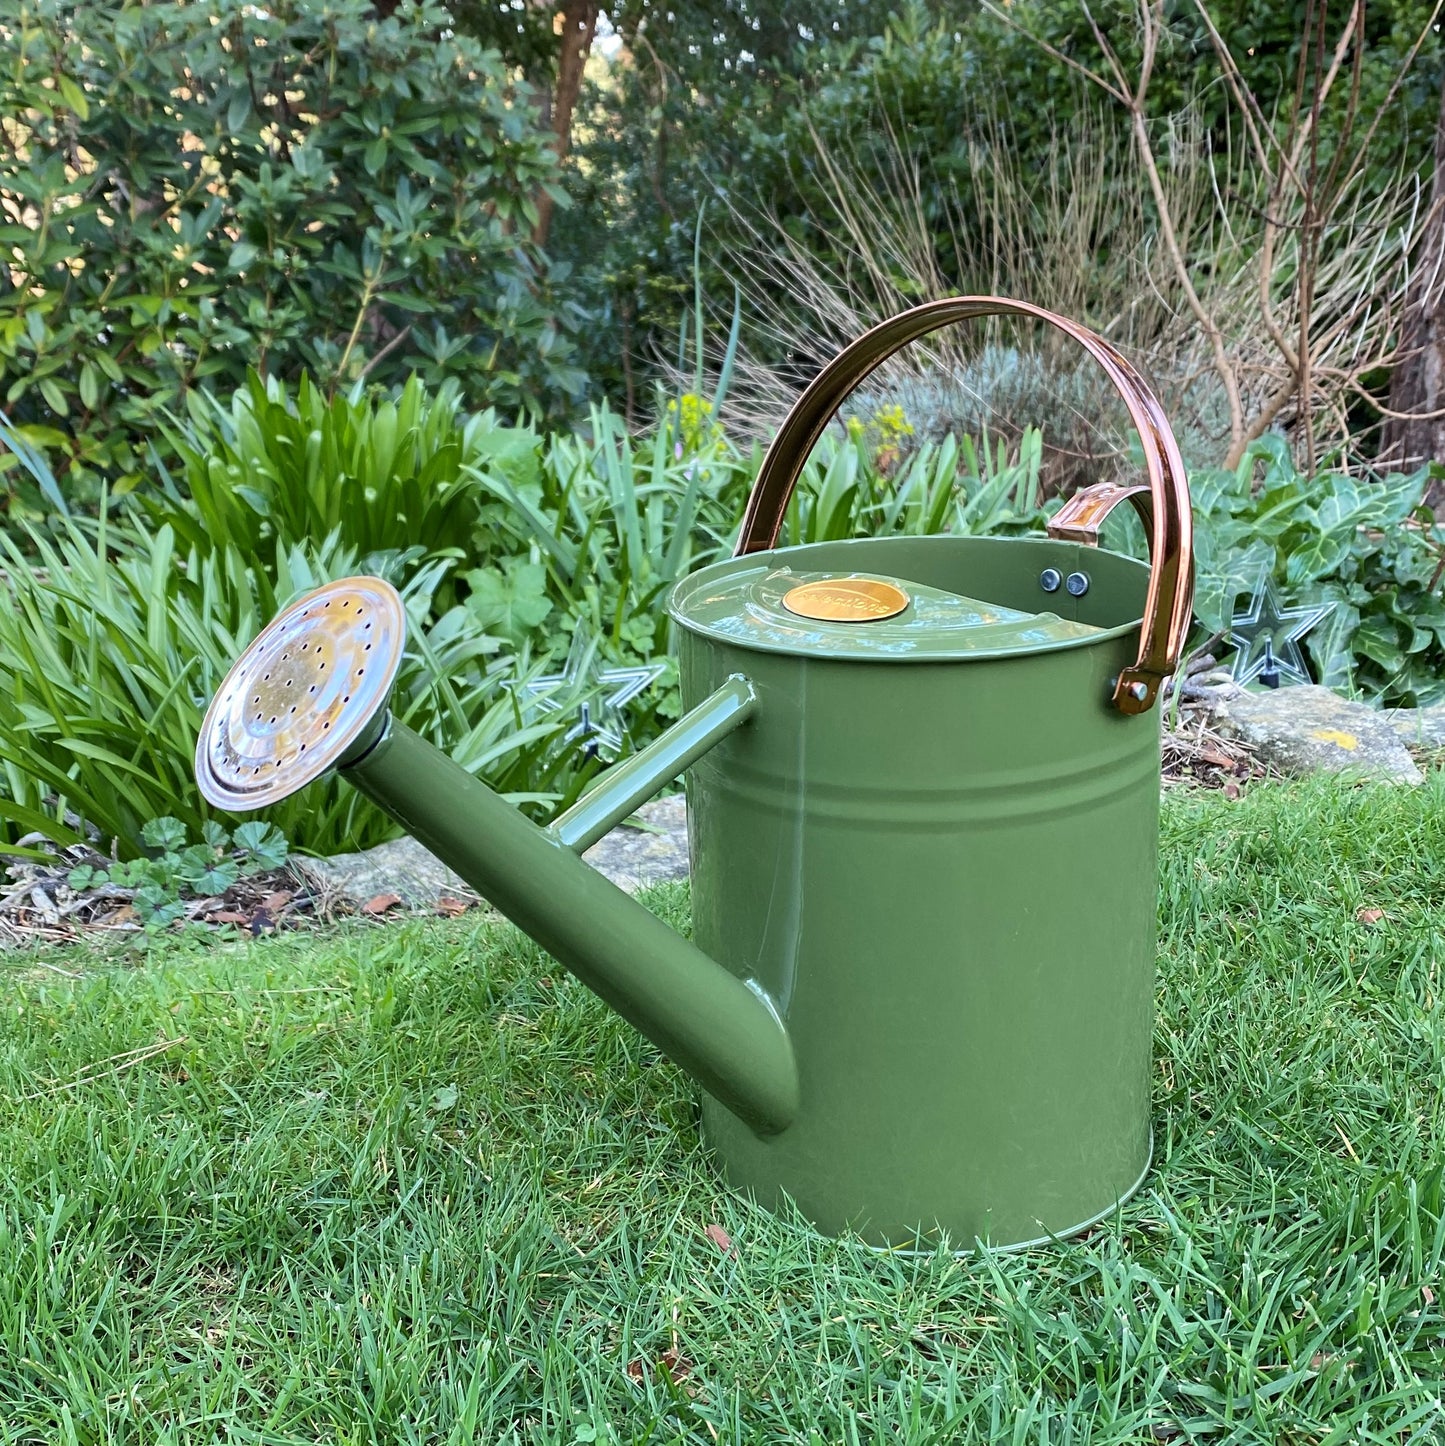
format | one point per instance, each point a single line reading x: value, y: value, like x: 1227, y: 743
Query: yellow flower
x: 892, y: 425
x: 692, y: 417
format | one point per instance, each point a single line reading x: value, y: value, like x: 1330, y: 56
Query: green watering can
x: 923, y: 791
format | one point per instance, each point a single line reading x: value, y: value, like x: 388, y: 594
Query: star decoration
x: 1267, y: 637
x: 598, y: 695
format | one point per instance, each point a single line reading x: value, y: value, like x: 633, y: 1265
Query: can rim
x: 682, y: 590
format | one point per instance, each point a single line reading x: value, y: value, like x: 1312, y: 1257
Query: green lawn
x: 408, y: 1184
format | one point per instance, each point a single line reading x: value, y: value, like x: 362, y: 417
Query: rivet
x: 1050, y: 578
x: 1077, y: 583
x: 1138, y: 691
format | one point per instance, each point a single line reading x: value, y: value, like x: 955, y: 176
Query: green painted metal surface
x: 742, y: 603
x: 943, y: 874
x: 919, y: 994
x: 623, y: 788
x: 722, y: 1029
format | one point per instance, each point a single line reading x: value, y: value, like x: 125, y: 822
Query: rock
x: 401, y: 867
x: 1419, y: 727
x: 1309, y: 729
x: 633, y: 858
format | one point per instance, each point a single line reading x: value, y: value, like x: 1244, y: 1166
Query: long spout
x: 722, y: 1030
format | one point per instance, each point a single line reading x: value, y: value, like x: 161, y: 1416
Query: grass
x: 410, y: 1185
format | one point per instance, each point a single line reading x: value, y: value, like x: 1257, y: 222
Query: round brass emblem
x: 846, y: 600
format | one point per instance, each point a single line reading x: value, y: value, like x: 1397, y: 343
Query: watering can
x: 923, y: 786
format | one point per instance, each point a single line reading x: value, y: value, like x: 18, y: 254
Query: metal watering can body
x: 923, y: 811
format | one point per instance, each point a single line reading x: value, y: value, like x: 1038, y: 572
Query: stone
x: 1309, y: 729
x: 633, y: 858
x: 1419, y: 727
x: 402, y: 867
x: 637, y: 858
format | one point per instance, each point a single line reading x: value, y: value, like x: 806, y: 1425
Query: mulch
x: 1196, y: 754
x: 38, y: 906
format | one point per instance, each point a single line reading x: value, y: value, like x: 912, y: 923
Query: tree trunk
x: 579, y: 24
x: 1418, y: 384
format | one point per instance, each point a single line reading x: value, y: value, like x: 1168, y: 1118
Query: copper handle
x: 1167, y: 518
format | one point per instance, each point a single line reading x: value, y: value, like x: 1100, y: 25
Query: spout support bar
x: 722, y: 1030
x: 632, y: 783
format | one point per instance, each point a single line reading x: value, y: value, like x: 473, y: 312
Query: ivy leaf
x: 1319, y: 555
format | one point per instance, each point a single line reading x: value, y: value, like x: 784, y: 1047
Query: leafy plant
x: 175, y: 868
x: 187, y: 191
x: 1369, y: 547
x: 274, y: 468
x: 113, y: 640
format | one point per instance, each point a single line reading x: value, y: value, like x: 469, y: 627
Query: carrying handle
x: 1163, y: 505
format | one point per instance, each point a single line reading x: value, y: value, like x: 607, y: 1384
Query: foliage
x: 176, y: 867
x: 668, y: 125
x: 189, y: 190
x: 113, y: 642
x: 948, y: 115
x: 114, y: 636
x: 275, y: 468
x: 593, y: 532
x: 1370, y: 547
x: 416, y: 1184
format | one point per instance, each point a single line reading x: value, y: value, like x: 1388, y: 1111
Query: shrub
x: 114, y: 635
x: 189, y: 190
x: 277, y: 468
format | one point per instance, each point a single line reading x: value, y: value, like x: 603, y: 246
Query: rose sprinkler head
x: 308, y: 694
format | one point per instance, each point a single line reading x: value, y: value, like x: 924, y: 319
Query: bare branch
x: 1058, y: 55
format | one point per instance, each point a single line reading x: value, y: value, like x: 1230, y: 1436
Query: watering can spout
x: 310, y: 695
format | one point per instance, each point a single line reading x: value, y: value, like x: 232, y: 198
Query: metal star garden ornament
x: 599, y: 696
x: 1267, y: 638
